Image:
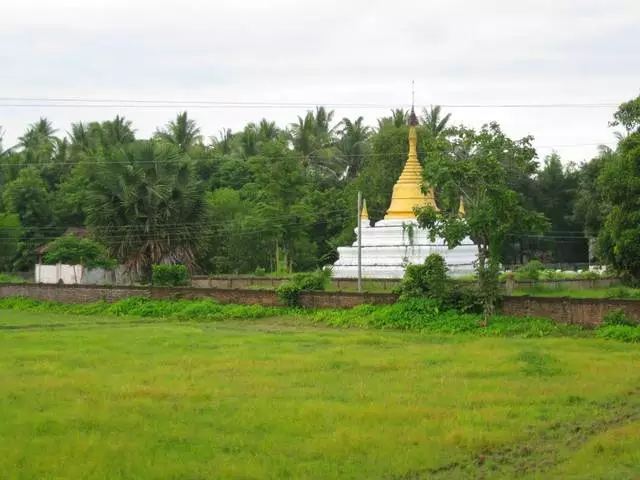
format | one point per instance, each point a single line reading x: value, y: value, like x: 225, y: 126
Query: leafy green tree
x: 478, y: 167
x: 28, y: 197
x: 619, y: 183
x: 590, y: 207
x: 182, y: 132
x: 628, y: 116
x: 73, y: 250
x: 145, y: 204
x: 10, y: 235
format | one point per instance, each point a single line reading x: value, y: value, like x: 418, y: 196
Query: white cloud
x: 311, y: 51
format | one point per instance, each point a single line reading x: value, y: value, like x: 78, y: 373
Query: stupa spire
x: 364, y: 214
x: 407, y: 192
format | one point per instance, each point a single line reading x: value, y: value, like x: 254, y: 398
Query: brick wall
x: 567, y: 310
x: 267, y: 298
x: 72, y: 293
x: 583, y: 311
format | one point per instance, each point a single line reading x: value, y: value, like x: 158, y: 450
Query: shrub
x: 289, y: 294
x: 169, y: 276
x: 465, y: 299
x: 427, y: 315
x: 618, y: 317
x: 588, y: 275
x: 260, y: 272
x: 623, y: 333
x: 530, y: 271
x: 6, y: 278
x: 428, y: 280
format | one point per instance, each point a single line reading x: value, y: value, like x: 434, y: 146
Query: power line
x: 80, y: 102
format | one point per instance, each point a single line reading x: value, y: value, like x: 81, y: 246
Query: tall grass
x: 415, y: 315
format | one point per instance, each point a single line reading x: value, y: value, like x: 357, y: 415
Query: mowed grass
x: 124, y: 398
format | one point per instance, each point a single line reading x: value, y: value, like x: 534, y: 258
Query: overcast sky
x: 459, y: 52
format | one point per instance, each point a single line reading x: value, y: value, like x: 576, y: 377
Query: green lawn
x: 115, y: 398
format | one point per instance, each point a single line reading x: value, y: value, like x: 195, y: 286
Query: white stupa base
x: 387, y: 249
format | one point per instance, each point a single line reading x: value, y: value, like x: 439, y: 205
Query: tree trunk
x: 486, y: 284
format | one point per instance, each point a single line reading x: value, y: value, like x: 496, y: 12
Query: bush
x: 426, y: 315
x: 289, y: 292
x: 623, y: 333
x: 6, y: 278
x: 530, y: 271
x: 147, y: 308
x: 427, y: 280
x: 588, y: 275
x: 169, y: 276
x: 465, y: 299
x: 260, y: 272
x: 618, y: 317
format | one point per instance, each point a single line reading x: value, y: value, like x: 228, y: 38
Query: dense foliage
x: 281, y: 198
x: 169, y: 275
x: 416, y: 315
x: 73, y: 250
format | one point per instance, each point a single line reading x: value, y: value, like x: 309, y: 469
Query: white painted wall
x: 77, y: 274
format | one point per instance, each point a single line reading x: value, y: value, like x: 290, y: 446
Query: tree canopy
x: 282, y: 197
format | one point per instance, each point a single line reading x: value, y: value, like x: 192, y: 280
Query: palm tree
x: 223, y: 142
x: 303, y: 134
x: 249, y: 140
x: 146, y: 205
x: 323, y: 120
x: 38, y: 134
x: 433, y: 122
x: 268, y: 130
x: 354, y: 136
x: 399, y: 117
x: 118, y: 131
x: 182, y: 132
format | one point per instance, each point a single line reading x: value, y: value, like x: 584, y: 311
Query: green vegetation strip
x: 119, y: 392
x: 415, y: 315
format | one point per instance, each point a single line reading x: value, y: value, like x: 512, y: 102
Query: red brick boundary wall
x: 582, y: 311
x: 267, y: 298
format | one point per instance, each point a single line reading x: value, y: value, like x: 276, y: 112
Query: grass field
x: 125, y: 398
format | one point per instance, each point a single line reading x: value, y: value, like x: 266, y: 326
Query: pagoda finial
x: 461, y: 210
x: 364, y: 214
x: 413, y: 119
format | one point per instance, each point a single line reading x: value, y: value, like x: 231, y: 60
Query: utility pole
x: 359, y: 241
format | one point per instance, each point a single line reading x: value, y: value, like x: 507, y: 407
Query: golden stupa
x: 407, y: 192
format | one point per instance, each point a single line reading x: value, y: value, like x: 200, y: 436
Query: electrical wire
x: 81, y: 102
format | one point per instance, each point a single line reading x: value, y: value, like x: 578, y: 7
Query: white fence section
x: 77, y: 274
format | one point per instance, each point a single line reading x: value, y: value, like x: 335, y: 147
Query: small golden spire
x: 461, y: 211
x: 364, y: 214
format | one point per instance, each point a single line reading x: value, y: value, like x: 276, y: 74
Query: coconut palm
x: 433, y: 120
x: 182, y: 132
x: 303, y: 134
x: 267, y: 130
x: 249, y: 140
x: 223, y: 143
x: 146, y: 205
x: 117, y: 131
x: 38, y: 134
x: 352, y: 144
